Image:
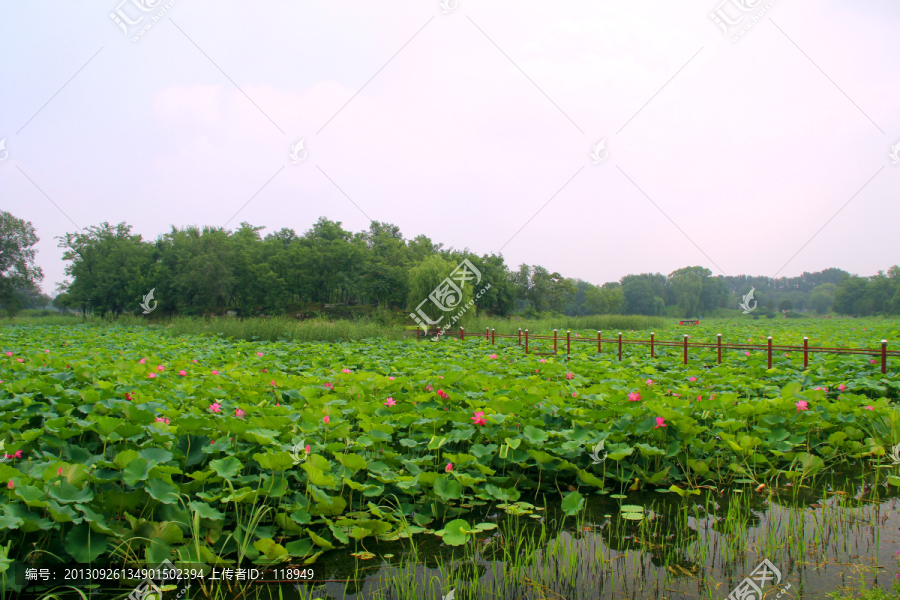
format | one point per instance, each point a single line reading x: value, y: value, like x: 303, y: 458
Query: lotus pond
x: 427, y: 467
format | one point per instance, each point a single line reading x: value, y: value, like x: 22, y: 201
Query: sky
x: 596, y: 139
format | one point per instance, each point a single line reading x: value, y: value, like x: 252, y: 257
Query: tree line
x: 195, y: 271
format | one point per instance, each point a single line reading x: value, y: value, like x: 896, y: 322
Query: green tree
x: 18, y: 272
x: 111, y: 268
x: 848, y: 295
x: 822, y: 297
x: 430, y: 294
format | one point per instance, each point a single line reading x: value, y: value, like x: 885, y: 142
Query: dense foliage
x: 126, y: 444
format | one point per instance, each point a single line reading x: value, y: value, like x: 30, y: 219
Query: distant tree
x: 429, y: 293
x: 18, y: 273
x: 822, y: 297
x: 848, y: 295
x: 640, y: 299
x: 785, y: 305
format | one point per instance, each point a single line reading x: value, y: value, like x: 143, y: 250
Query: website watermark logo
x: 895, y: 153
x: 447, y: 296
x: 751, y: 588
x: 599, y: 152
x: 300, y: 452
x: 4, y: 153
x: 737, y: 16
x: 146, y: 303
x: 451, y: 595
x: 126, y: 22
x: 448, y: 5
x: 745, y: 304
x: 296, y: 150
x: 595, y: 453
x: 5, y: 456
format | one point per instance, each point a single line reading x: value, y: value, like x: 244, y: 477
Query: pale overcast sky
x: 466, y: 121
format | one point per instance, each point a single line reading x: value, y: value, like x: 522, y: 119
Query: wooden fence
x: 524, y: 337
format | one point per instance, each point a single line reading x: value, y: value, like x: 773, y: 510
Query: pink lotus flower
x: 272, y: 383
x: 9, y: 353
x: 48, y: 352
x: 479, y: 418
x: 449, y: 467
x: 428, y: 388
x: 162, y: 420
x: 802, y: 405
x: 692, y: 379
x: 443, y: 394
x: 493, y: 356
x: 660, y: 422
x: 746, y: 354
x: 195, y: 360
x: 441, y: 376
x: 570, y: 375
x: 182, y: 372
x: 326, y: 419
x: 842, y: 387
x: 390, y: 402
x: 307, y: 449
x: 329, y: 385
x: 634, y: 397
x: 870, y: 407
x: 151, y: 375
x: 391, y: 378
x: 59, y: 471
x: 10, y: 485
x: 649, y: 382
x: 873, y: 361
x: 239, y: 413
x: 259, y: 353
x: 215, y: 372
x: 128, y: 396
x: 543, y: 360
x: 574, y: 394
x: 143, y: 361
x: 160, y: 368
x: 346, y: 371
x: 215, y: 407
x: 700, y: 398
x: 20, y: 359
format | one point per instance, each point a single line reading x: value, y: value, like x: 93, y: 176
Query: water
x: 840, y: 532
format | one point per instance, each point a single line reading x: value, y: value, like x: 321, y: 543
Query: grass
x: 322, y: 330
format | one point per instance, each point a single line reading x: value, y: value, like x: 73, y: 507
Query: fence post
x: 526, y: 341
x: 620, y: 345
x: 883, y: 357
x: 520, y: 336
x: 805, y: 353
x: 487, y: 333
x: 599, y: 336
x: 685, y: 348
x: 652, y: 355
x: 770, y: 351
x: 492, y: 336
x: 417, y: 333
x: 719, y: 346
x: 554, y: 341
x: 462, y: 334
x: 568, y: 341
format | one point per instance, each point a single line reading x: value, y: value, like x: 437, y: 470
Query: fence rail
x: 685, y: 345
